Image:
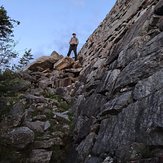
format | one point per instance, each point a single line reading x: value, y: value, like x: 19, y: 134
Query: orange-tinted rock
x: 44, y: 62
x: 64, y: 63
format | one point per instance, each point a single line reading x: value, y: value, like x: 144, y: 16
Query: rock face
x: 45, y: 62
x: 35, y: 121
x: 20, y: 137
x: 121, y: 96
x: 115, y: 91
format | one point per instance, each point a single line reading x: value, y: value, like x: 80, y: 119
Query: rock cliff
x: 105, y: 108
x: 35, y: 122
x: 119, y: 115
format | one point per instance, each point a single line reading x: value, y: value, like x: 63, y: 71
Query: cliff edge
x: 119, y: 114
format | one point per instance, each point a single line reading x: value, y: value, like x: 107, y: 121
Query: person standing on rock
x: 73, y: 45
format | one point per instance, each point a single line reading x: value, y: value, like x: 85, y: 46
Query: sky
x: 47, y: 25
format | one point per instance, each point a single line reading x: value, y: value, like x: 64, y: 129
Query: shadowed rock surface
x: 35, y: 121
x: 121, y: 103
x: 105, y: 108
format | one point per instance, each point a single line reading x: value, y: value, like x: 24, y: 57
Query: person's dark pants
x: 74, y: 49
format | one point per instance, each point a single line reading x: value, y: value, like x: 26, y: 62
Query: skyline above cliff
x: 47, y: 26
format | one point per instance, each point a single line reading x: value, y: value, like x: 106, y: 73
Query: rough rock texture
x: 121, y: 94
x: 19, y: 137
x: 40, y: 155
x: 45, y: 62
x: 116, y: 97
x: 35, y: 122
x: 54, y: 71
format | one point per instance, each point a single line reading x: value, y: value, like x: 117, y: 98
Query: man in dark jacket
x: 73, y: 46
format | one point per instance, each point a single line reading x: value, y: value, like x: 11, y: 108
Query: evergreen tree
x: 6, y: 42
x: 24, y: 60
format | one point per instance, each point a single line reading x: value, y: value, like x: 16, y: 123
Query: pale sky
x: 48, y: 25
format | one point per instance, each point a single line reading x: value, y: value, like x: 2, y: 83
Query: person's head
x: 74, y: 34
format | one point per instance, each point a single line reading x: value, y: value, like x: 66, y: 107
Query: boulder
x: 38, y: 126
x: 40, y: 156
x: 44, y: 144
x: 16, y: 114
x: 19, y: 137
x: 44, y: 62
x: 64, y: 63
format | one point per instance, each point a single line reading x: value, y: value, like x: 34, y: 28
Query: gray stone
x: 131, y: 45
x: 108, y: 160
x: 116, y: 97
x: 40, y: 156
x: 61, y: 116
x: 136, y: 151
x: 117, y: 104
x: 19, y: 137
x: 133, y: 123
x: 44, y: 83
x: 149, y: 85
x: 139, y: 69
x: 109, y: 80
x: 99, y: 63
x: 84, y: 148
x: 37, y: 126
x: 131, y: 51
x: 16, y: 114
x: 36, y: 91
x: 47, y: 125
x: 86, y: 113
x: 44, y: 144
x: 39, y: 117
x: 33, y: 98
x: 91, y: 75
x: 128, y: 78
